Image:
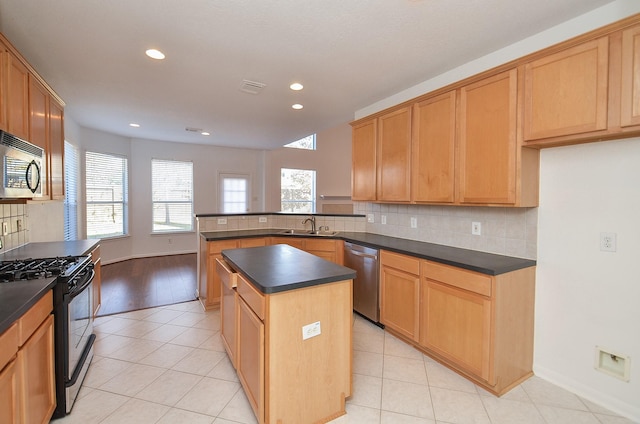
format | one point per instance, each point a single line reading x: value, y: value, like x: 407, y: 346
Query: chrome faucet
x: 311, y: 219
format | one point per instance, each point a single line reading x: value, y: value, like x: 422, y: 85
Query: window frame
x: 224, y: 175
x: 191, y: 228
x: 312, y: 200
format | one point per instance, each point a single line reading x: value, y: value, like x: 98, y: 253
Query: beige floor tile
x: 139, y: 314
x: 213, y: 343
x: 239, y: 410
x: 387, y: 417
x: 613, y: 419
x: 404, y: 369
x: 104, y: 346
x: 441, y: 376
x: 163, y: 316
x: 199, y: 361
x: 504, y: 411
x: 367, y: 391
x: 136, y: 411
x: 396, y: 347
x: 457, y: 407
x: 180, y: 416
x: 358, y: 415
x: 187, y: 319
x: 103, y: 370
x: 517, y: 393
x: 113, y: 325
x: 557, y: 415
x: 542, y: 392
x: 193, y: 306
x: 210, y: 322
x: 209, y: 396
x: 166, y: 356
x: 224, y: 370
x: 169, y: 388
x: 407, y: 398
x: 135, y: 350
x: 137, y: 328
x: 368, y: 341
x: 164, y: 333
x: 93, y: 408
x: 132, y: 380
x: 368, y: 363
x: 192, y: 337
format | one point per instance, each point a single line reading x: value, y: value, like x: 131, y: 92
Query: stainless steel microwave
x: 22, y: 169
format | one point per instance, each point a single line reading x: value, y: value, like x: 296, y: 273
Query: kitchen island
x: 287, y: 326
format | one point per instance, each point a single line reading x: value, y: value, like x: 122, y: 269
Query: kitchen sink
x: 308, y: 233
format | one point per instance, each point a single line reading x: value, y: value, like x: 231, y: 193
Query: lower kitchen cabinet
x: 27, y: 384
x: 251, y: 358
x: 228, y: 310
x: 399, y: 293
x: 97, y: 279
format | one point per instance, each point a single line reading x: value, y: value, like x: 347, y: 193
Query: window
x: 235, y: 193
x: 106, y: 187
x: 308, y: 143
x: 71, y: 167
x: 297, y: 190
x: 172, y: 191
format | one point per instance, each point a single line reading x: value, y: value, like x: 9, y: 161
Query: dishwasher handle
x: 362, y: 255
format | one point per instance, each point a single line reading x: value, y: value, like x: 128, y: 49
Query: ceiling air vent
x: 252, y: 87
x: 195, y: 130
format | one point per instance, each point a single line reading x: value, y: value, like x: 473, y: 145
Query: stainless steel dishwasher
x: 364, y: 260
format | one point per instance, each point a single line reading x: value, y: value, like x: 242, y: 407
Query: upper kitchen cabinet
x: 630, y: 101
x: 363, y: 160
x: 433, y: 149
x: 394, y: 156
x: 566, y: 92
x: 55, y: 153
x: 15, y: 92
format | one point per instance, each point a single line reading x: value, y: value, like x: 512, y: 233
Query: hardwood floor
x: 148, y: 282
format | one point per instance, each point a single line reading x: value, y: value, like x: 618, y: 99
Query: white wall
x: 586, y: 297
x: 331, y: 160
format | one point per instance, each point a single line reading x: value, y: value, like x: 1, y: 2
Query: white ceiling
x: 347, y: 53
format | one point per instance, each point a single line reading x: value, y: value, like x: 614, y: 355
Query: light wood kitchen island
x: 287, y: 327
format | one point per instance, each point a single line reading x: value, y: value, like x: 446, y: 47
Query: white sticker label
x: 311, y: 330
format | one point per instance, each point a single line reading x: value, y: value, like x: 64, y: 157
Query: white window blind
x: 107, y: 195
x: 172, y: 191
x: 235, y: 193
x: 297, y: 190
x: 71, y: 171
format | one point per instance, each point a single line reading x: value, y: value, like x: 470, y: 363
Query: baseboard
x: 148, y: 255
x: 589, y: 393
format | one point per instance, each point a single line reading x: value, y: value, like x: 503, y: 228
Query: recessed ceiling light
x: 296, y: 86
x: 134, y: 125
x: 155, y: 54
x: 297, y: 106
x: 205, y: 133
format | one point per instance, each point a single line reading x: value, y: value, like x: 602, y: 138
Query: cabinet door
x: 9, y: 394
x: 394, y: 156
x: 17, y: 96
x: 433, y: 153
x: 363, y: 161
x: 39, y: 125
x: 630, y: 113
x: 251, y: 357
x: 399, y: 296
x: 456, y: 324
x: 36, y: 375
x: 55, y: 154
x: 487, y: 140
x: 229, y: 322
x: 566, y: 92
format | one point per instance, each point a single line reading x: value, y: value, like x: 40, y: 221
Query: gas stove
x: 30, y: 269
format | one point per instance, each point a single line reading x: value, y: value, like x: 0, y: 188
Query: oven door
x: 80, y: 334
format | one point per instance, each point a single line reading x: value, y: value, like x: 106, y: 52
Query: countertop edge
x: 30, y: 299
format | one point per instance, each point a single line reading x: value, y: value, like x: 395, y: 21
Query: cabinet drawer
x: 8, y: 345
x: 31, y: 320
x: 227, y: 276
x: 252, y: 242
x: 467, y: 280
x: 251, y: 296
x: 402, y: 262
x: 320, y: 245
x: 219, y: 246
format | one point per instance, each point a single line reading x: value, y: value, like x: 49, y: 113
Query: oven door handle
x: 82, y: 360
x: 78, y: 290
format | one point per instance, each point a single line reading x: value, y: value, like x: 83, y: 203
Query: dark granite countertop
x: 485, y: 263
x: 50, y: 249
x: 18, y: 297
x: 278, y: 268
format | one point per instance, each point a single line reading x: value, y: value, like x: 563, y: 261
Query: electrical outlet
x: 222, y: 221
x: 608, y: 242
x: 5, y: 228
x: 262, y: 219
x: 476, y: 228
x: 18, y: 225
x: 414, y: 222
x: 383, y: 219
x: 311, y: 330
x: 370, y: 218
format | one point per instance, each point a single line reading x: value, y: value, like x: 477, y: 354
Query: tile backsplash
x: 505, y: 231
x: 251, y: 222
x: 16, y: 219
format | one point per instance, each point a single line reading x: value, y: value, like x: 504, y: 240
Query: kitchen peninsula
x: 286, y: 324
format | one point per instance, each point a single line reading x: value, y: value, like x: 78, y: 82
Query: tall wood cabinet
x: 393, y: 167
x: 16, y: 95
x: 487, y: 140
x: 630, y: 92
x: 55, y: 151
x: 363, y: 160
x: 433, y: 149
